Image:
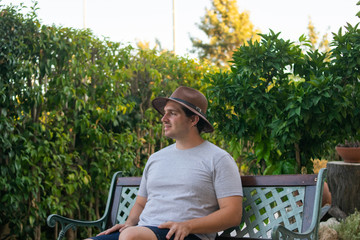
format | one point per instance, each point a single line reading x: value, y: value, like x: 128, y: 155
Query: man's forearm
x: 227, y: 216
x: 219, y: 220
x: 135, y: 212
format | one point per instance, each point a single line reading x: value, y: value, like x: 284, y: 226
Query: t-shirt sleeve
x: 227, y: 181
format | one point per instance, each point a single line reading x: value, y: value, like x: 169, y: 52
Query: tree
x: 283, y: 106
x: 227, y: 29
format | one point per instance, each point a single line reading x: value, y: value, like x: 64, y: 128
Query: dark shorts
x: 160, y: 234
x: 111, y: 236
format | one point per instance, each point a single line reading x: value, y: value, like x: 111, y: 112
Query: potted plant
x: 349, y: 151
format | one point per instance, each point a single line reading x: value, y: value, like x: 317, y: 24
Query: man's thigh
x: 137, y: 233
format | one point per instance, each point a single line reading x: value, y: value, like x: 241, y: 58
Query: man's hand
x: 116, y: 227
x: 132, y: 219
x: 180, y: 229
x: 228, y: 215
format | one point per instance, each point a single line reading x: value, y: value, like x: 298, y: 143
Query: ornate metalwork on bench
x: 274, y: 207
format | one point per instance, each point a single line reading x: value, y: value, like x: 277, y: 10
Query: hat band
x: 190, y: 105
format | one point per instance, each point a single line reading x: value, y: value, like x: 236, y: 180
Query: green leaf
x: 31, y: 220
x: 288, y: 167
x: 270, y: 169
x: 3, y: 112
x: 259, y: 149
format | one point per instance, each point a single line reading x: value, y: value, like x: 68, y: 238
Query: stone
x: 326, y: 230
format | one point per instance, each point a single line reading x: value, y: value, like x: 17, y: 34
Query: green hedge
x: 74, y: 109
x: 283, y: 104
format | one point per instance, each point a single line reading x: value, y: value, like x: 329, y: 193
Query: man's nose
x: 164, y: 118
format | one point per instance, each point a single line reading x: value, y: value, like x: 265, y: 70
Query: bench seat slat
x: 279, y: 180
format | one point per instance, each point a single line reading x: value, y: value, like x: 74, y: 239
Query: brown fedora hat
x: 190, y: 98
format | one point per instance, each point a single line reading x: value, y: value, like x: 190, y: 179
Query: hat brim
x: 160, y: 102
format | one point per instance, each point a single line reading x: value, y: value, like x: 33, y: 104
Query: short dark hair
x: 201, y: 123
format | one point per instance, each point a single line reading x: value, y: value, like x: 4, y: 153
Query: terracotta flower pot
x: 349, y: 154
x: 326, y: 199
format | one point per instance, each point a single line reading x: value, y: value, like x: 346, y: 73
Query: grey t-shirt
x: 184, y: 184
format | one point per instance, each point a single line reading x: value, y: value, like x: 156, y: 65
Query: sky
x: 130, y: 21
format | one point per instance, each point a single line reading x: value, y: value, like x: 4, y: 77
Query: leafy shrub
x: 284, y: 106
x: 73, y: 110
x: 349, y: 229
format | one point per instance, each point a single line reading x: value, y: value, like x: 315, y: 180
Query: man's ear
x: 195, y: 119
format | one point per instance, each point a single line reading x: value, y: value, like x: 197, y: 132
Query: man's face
x: 176, y: 124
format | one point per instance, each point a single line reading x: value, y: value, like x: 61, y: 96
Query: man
x: 190, y: 189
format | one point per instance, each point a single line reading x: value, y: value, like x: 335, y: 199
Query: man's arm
x: 133, y: 218
x: 228, y: 215
x: 135, y: 211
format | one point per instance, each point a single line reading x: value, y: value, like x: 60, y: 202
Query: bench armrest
x: 67, y: 223
x: 280, y: 232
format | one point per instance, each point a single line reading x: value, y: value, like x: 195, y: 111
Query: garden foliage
x: 349, y: 228
x: 284, y: 104
x: 74, y: 109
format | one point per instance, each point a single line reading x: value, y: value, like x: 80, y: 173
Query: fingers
x: 170, y: 233
x: 179, y: 230
x: 123, y: 228
x: 178, y: 235
x: 103, y: 232
x: 112, y: 229
x: 165, y: 225
x: 168, y: 225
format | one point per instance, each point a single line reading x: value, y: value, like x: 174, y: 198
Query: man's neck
x: 190, y: 142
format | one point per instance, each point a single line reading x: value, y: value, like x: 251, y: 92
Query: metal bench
x: 274, y: 207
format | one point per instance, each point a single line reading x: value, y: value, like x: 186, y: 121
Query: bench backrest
x: 268, y: 201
